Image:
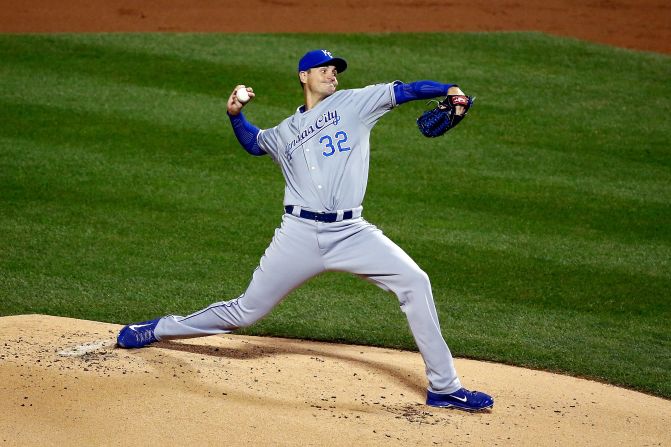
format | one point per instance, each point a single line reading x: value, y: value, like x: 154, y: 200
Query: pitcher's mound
x: 64, y: 383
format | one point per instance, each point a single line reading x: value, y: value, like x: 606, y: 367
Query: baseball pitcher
x: 323, y: 151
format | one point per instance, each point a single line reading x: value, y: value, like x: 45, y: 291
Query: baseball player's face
x: 322, y: 80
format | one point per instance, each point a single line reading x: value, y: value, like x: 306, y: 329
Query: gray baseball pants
x: 302, y: 249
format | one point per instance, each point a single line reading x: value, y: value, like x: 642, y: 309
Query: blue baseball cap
x: 321, y: 58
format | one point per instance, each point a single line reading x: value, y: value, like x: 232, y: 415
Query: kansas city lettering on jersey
x: 328, y: 118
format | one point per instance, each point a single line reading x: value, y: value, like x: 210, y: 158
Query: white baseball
x: 242, y: 94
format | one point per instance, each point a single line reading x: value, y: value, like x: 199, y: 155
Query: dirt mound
x: 64, y: 383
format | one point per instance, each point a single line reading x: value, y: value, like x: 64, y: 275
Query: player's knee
x: 247, y: 319
x: 420, y: 279
x: 415, y: 282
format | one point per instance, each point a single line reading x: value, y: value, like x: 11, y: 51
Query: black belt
x: 320, y: 217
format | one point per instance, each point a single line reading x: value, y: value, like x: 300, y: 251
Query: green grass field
x: 543, y: 220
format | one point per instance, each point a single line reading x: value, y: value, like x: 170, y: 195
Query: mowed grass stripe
x: 543, y: 220
x: 567, y: 250
x: 160, y: 106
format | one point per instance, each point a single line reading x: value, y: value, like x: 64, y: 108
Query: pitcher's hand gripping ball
x: 243, y: 95
x: 447, y: 114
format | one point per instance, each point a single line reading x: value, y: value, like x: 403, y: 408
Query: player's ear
x: 303, y: 77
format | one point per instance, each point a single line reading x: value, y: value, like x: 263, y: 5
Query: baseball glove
x: 443, y: 117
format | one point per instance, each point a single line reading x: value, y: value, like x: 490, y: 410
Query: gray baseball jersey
x: 324, y: 154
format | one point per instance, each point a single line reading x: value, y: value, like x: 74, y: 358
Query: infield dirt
x: 63, y: 382
x: 637, y: 24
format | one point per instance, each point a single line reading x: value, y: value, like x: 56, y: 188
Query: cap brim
x: 338, y: 63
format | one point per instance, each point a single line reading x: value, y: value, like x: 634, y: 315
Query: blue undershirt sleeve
x: 246, y: 134
x: 419, y: 90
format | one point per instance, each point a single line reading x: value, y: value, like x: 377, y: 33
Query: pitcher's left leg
x: 367, y: 252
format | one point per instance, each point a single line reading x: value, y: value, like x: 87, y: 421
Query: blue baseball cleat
x: 137, y: 335
x: 461, y: 399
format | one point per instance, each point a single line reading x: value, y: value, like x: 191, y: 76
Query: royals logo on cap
x: 321, y: 58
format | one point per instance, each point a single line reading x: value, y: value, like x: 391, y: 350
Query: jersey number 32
x: 340, y: 139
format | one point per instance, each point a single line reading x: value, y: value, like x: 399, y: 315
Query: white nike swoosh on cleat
x: 462, y: 399
x: 135, y: 327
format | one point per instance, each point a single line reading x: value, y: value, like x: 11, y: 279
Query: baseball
x: 242, y: 95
